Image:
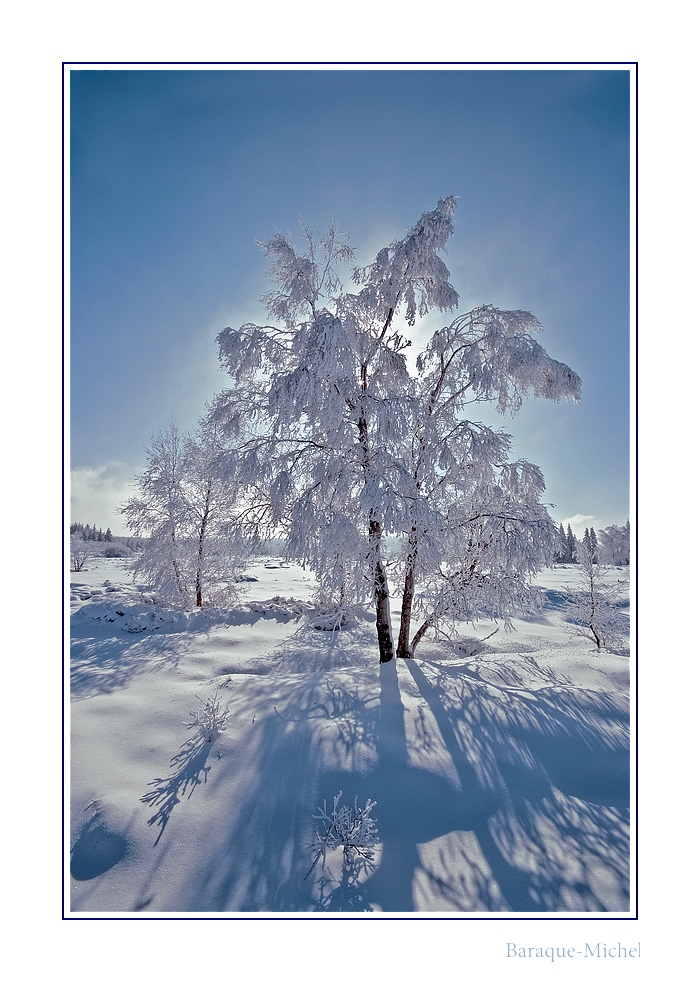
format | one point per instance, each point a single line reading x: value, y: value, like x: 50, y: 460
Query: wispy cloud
x: 579, y: 523
x: 97, y: 492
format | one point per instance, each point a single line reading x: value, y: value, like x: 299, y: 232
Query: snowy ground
x: 500, y: 770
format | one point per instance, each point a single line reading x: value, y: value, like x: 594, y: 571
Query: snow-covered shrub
x: 353, y: 829
x: 115, y: 550
x: 279, y: 607
x: 80, y: 552
x: 332, y: 617
x: 209, y: 721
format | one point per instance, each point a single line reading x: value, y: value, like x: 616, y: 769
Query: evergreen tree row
x: 613, y: 547
x: 90, y: 533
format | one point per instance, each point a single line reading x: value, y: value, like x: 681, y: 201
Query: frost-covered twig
x: 208, y: 722
x: 353, y: 829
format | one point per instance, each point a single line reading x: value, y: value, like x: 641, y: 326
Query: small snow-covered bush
x: 209, y: 721
x: 115, y: 550
x: 80, y: 552
x: 280, y: 606
x: 353, y: 829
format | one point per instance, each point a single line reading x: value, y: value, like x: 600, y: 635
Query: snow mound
x: 134, y: 618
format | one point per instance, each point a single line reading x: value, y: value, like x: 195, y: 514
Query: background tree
x: 337, y: 444
x: 80, y: 551
x: 193, y: 552
x: 595, y: 610
x: 218, y: 552
x: 159, y: 511
x: 614, y: 545
x: 560, y: 546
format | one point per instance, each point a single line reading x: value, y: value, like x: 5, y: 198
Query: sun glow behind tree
x: 175, y: 174
x: 334, y: 439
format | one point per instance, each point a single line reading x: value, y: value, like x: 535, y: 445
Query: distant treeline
x: 611, y: 546
x: 90, y: 533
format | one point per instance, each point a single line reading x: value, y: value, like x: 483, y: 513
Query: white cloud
x: 579, y: 523
x: 97, y: 492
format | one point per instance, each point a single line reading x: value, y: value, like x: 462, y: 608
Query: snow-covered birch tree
x: 339, y: 445
x: 158, y: 511
x: 195, y: 553
x: 595, y: 610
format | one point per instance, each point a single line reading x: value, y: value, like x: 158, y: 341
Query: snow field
x: 501, y: 777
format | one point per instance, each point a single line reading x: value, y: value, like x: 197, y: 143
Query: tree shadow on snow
x: 538, y: 822
x: 533, y: 817
x: 100, y: 666
x: 259, y: 861
x: 190, y: 763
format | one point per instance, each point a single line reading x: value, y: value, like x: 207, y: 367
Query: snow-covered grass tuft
x: 209, y: 721
x: 353, y: 829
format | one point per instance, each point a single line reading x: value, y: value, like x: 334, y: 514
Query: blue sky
x: 175, y: 173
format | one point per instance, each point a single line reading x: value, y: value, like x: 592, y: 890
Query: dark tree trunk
x: 381, y: 581
x: 381, y: 597
x: 417, y: 637
x: 405, y: 648
x: 202, y: 533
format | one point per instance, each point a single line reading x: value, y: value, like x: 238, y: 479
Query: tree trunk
x: 381, y: 581
x: 404, y: 648
x: 200, y: 552
x: 381, y: 597
x: 176, y: 566
x: 419, y: 635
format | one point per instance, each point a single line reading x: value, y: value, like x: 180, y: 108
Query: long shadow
x: 558, y: 762
x: 100, y: 666
x: 414, y: 806
x: 191, y: 771
x: 535, y: 807
x: 105, y: 659
x: 261, y: 858
x: 543, y: 790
